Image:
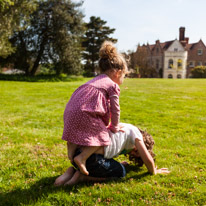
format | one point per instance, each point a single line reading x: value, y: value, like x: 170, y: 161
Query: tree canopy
x: 96, y: 33
x: 50, y: 32
x: 53, y: 36
x: 13, y: 15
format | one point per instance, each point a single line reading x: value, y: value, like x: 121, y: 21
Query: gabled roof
x: 190, y: 46
x: 165, y: 45
x: 151, y: 47
x: 177, y: 44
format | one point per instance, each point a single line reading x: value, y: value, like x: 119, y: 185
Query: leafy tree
x: 199, y: 72
x: 96, y: 33
x: 13, y: 15
x: 5, y: 3
x: 141, y: 62
x: 53, y: 36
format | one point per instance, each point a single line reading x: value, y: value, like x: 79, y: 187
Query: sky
x: 145, y: 21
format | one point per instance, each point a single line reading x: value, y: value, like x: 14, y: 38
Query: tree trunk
x: 27, y: 71
x: 24, y: 58
x: 36, y: 63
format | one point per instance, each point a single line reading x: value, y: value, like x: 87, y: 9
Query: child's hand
x: 113, y: 129
x: 121, y: 128
x: 162, y: 171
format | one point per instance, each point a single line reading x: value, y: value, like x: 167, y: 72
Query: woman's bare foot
x: 81, y: 163
x: 61, y: 180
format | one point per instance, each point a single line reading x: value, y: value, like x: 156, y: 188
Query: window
x: 199, y: 52
x: 157, y: 63
x: 170, y: 76
x: 199, y: 63
x: 191, y: 64
x: 179, y: 76
x: 157, y: 50
x: 170, y: 64
x: 152, y: 62
x: 176, y: 49
x: 179, y: 63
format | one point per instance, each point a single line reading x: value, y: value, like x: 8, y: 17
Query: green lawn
x: 32, y: 153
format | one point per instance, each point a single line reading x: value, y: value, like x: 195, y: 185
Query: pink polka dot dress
x: 89, y: 110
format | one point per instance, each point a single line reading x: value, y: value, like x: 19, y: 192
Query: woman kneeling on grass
x: 137, y: 143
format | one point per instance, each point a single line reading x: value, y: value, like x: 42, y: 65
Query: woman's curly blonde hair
x: 149, y: 142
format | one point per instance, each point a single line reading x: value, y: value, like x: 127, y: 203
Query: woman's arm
x: 147, y: 158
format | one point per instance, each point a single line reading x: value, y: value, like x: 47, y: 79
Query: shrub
x: 40, y: 78
x: 199, y: 72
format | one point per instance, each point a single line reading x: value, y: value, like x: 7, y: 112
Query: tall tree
x: 53, y: 36
x: 141, y: 62
x: 13, y: 15
x: 96, y: 33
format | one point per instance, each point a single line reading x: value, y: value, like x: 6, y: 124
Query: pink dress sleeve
x: 114, y: 108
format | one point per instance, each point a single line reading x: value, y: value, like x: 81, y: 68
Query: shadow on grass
x: 44, y: 187
x: 41, y: 188
x: 135, y: 172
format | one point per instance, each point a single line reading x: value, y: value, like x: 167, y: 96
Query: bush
x: 40, y: 78
x: 89, y: 74
x: 199, y: 72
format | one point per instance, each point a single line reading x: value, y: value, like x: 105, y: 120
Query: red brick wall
x: 193, y: 55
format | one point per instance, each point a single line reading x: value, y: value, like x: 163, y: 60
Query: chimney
x: 182, y: 34
x: 187, y: 40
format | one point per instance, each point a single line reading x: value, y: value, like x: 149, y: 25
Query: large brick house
x: 171, y: 59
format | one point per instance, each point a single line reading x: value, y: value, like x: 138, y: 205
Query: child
x: 137, y: 143
x: 88, y: 112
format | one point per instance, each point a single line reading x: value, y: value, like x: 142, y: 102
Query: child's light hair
x: 110, y: 58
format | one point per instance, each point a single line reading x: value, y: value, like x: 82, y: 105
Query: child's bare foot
x: 61, y: 180
x: 77, y: 177
x: 81, y: 163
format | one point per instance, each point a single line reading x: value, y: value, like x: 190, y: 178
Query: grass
x: 32, y: 153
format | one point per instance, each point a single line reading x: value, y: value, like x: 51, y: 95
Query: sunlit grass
x: 32, y: 153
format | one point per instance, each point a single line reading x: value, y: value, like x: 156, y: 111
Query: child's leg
x: 61, y: 180
x: 71, y: 147
x: 79, y: 177
x: 80, y: 159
